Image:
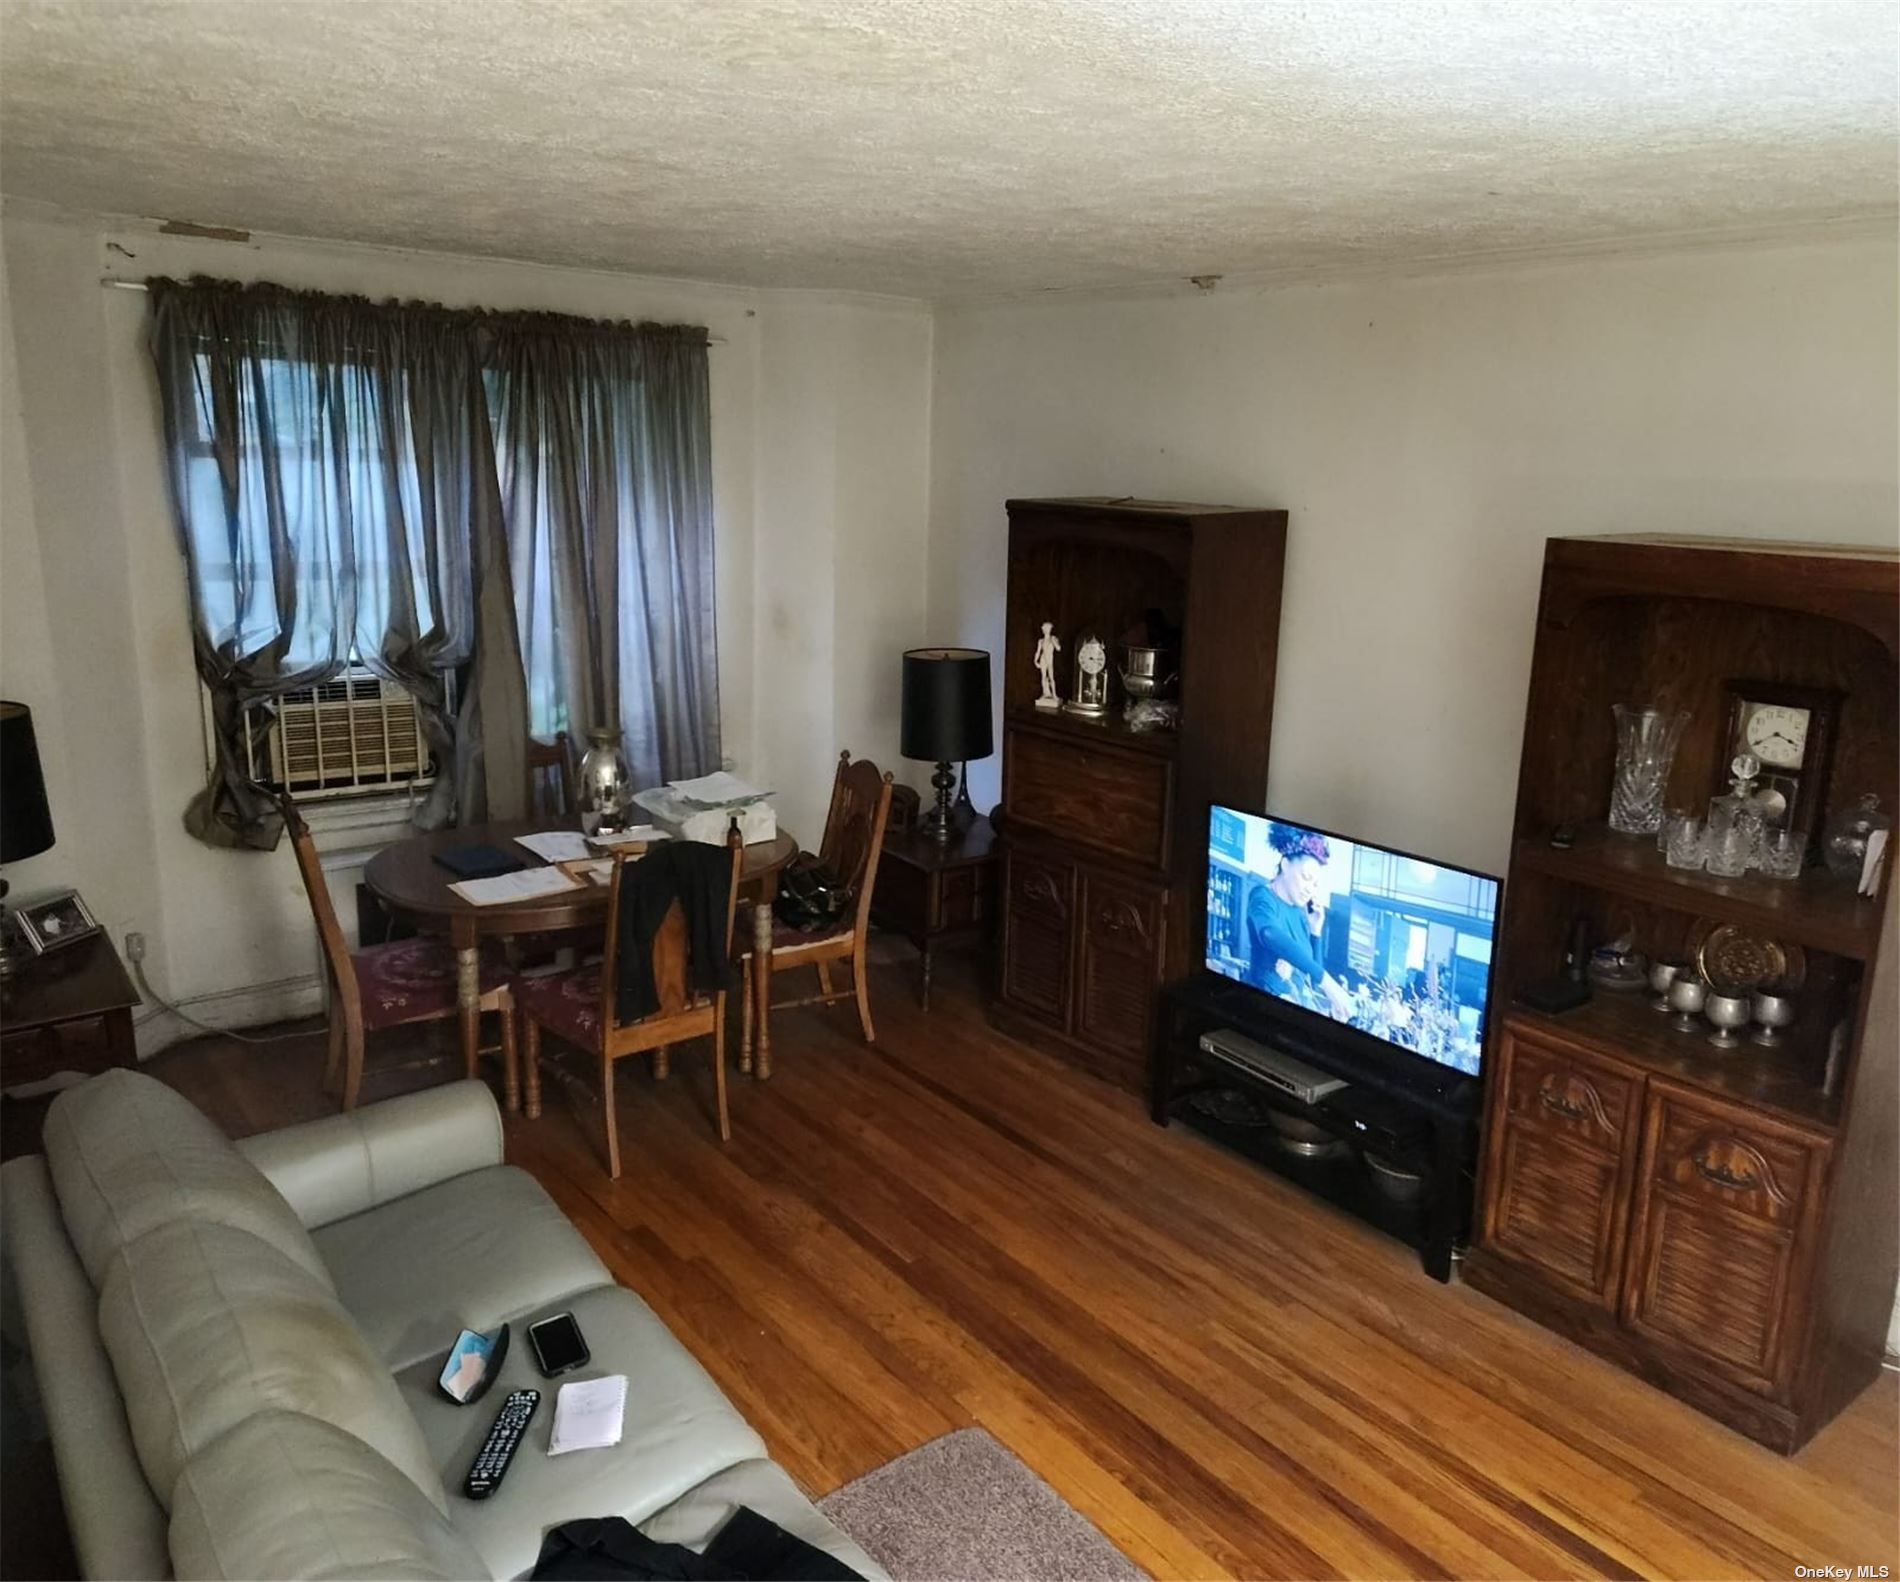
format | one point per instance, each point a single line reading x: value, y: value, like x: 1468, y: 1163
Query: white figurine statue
x: 1046, y: 650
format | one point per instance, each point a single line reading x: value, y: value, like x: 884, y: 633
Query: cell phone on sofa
x: 557, y: 1344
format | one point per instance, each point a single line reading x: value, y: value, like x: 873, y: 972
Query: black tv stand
x: 1413, y: 1114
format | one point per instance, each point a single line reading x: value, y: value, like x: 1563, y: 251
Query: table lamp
x: 946, y: 719
x: 26, y: 824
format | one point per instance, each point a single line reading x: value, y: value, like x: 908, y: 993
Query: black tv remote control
x: 491, y: 1461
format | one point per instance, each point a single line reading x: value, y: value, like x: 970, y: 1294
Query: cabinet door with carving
x: 1120, y: 962
x: 1723, y: 1228
x: 1037, y: 941
x: 1560, y: 1151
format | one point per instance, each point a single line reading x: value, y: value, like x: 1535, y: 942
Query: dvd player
x: 1293, y: 1077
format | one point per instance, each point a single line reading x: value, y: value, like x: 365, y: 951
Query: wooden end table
x: 69, y: 1010
x: 930, y: 892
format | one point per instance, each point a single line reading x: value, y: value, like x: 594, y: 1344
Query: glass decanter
x: 1737, y: 821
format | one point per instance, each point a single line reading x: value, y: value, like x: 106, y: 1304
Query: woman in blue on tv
x: 1284, y: 919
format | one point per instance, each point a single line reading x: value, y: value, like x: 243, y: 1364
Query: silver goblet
x: 1661, y: 975
x: 1772, y: 1011
x: 1726, y: 1012
x: 1686, y: 994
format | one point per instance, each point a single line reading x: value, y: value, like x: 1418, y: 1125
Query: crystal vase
x: 1646, y: 740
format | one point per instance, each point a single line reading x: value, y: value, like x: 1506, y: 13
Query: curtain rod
x: 117, y: 284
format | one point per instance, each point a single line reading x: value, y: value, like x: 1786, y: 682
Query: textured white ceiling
x: 955, y: 147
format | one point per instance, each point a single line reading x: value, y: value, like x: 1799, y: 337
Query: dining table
x: 412, y: 884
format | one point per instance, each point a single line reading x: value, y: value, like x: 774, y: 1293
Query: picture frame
x: 55, y: 922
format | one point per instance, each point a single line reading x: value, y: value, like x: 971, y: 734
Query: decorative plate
x: 1735, y: 961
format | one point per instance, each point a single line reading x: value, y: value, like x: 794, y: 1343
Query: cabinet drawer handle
x: 1574, y: 1098
x: 1736, y: 1166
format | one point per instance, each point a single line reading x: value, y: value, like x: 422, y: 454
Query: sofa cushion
x: 207, y: 1326
x: 129, y: 1154
x: 470, y: 1252
x: 679, y: 1431
x: 284, y: 1495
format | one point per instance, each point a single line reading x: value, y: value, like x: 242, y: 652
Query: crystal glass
x: 1662, y: 828
x: 1782, y: 853
x: 1685, y: 844
x: 1731, y: 850
x: 1646, y: 740
x: 606, y: 783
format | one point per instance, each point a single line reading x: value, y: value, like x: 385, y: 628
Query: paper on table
x: 588, y: 1413
x: 526, y: 885
x: 639, y: 835
x: 718, y: 789
x: 1870, y: 862
x: 555, y: 845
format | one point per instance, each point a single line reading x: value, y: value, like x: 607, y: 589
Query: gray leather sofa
x: 236, y: 1347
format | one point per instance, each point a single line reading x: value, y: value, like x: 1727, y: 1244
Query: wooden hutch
x: 1722, y: 1222
x: 1104, y: 829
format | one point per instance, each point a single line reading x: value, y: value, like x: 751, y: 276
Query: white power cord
x: 165, y: 1005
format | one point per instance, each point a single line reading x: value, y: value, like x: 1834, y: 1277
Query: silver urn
x: 1147, y: 673
x: 606, y: 790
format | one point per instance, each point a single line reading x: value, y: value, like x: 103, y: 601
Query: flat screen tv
x: 1394, y: 945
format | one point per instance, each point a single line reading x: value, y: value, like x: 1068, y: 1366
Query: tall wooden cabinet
x: 1723, y: 1222
x: 1104, y: 829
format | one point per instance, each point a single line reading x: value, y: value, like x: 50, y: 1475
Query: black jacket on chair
x: 699, y: 877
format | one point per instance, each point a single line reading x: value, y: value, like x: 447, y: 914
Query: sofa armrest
x: 118, y: 1528
x: 344, y: 1164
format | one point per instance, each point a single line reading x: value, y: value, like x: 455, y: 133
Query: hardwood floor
x: 1227, y: 1376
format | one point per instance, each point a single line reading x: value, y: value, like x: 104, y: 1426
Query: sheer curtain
x: 603, y: 456
x: 331, y: 470
x: 523, y: 499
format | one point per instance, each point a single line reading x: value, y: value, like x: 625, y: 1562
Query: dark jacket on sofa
x: 699, y: 877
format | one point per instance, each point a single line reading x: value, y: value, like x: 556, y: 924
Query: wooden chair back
x: 671, y: 979
x: 854, y: 829
x: 336, y: 949
x: 555, y: 758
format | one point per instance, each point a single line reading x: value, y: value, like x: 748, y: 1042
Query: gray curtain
x: 332, y: 470
x: 521, y: 501
x: 602, y: 447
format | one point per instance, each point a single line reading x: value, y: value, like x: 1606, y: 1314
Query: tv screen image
x: 1394, y: 945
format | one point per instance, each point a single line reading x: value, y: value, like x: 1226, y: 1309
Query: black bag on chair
x: 810, y: 896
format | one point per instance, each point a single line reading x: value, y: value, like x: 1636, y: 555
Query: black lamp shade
x: 26, y: 825
x: 946, y: 705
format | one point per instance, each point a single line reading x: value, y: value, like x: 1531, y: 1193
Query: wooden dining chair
x: 382, y: 986
x: 854, y: 839
x: 554, y: 759
x: 578, y: 1006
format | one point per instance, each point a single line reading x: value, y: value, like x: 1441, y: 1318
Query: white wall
x: 93, y: 628
x: 1427, y: 435
x: 844, y: 459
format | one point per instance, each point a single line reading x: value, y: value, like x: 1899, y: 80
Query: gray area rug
x: 964, y: 1509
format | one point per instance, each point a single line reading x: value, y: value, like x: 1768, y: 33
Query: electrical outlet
x: 135, y: 947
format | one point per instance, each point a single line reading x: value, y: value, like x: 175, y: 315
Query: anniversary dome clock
x: 1091, y: 678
